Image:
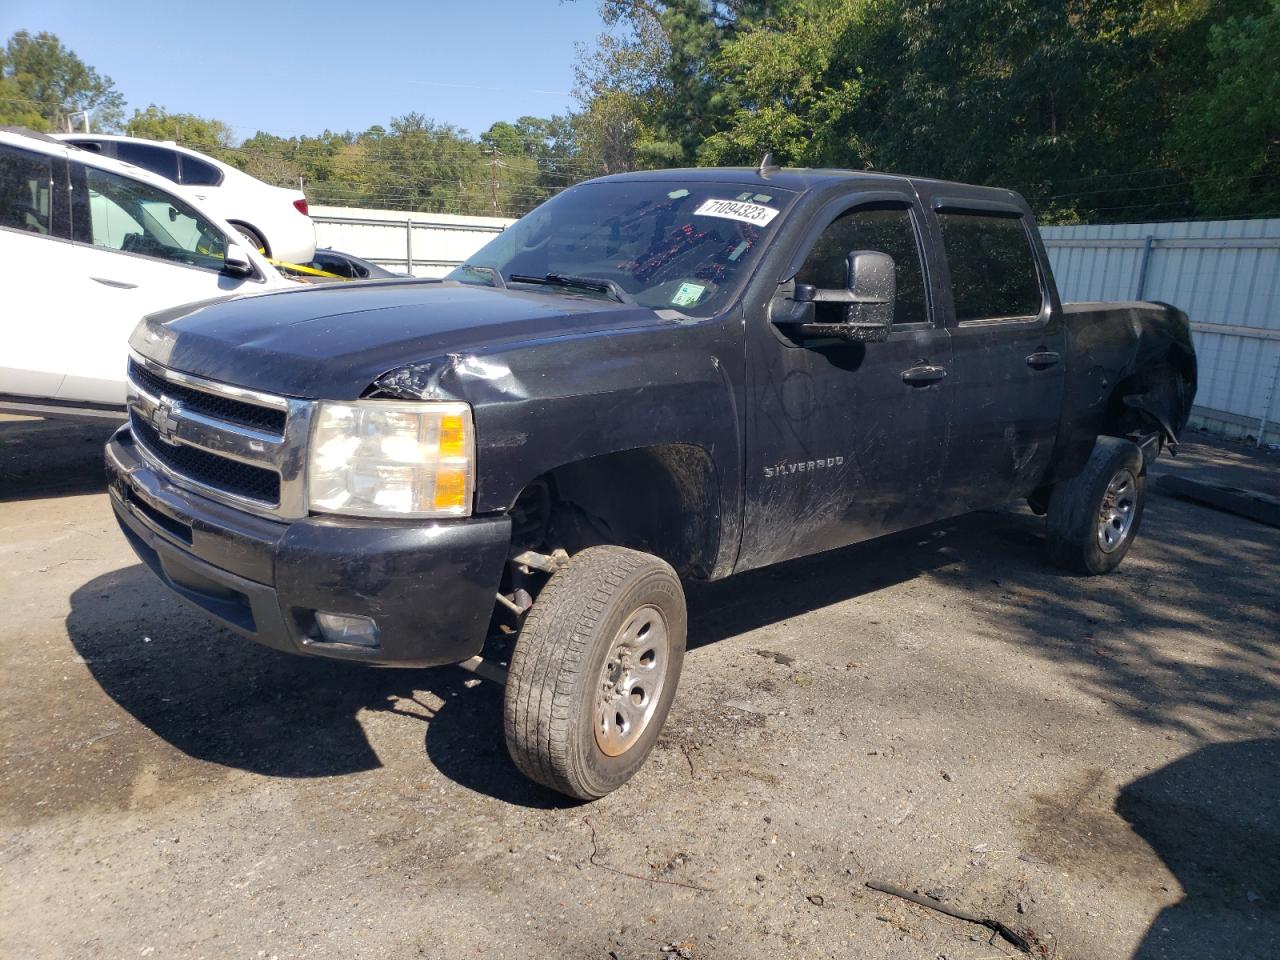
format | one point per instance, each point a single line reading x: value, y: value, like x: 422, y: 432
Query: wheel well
x: 664, y: 500
x: 1156, y: 399
x: 262, y: 240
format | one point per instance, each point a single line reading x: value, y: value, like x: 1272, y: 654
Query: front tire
x: 594, y: 671
x: 1094, y: 517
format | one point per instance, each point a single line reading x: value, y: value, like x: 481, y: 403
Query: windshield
x: 664, y: 245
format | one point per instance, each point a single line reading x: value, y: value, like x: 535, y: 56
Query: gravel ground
x: 1096, y: 762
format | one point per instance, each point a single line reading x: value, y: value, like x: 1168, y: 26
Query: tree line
x: 1096, y: 110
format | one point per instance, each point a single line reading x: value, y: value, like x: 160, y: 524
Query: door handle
x: 923, y: 375
x: 118, y: 284
x: 1043, y: 359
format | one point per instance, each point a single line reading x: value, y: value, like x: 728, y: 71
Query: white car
x: 273, y: 219
x: 89, y: 246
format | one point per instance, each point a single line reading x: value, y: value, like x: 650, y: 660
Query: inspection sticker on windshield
x: 756, y: 213
x: 688, y: 294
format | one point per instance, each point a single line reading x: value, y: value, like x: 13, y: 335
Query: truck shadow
x: 1213, y: 817
x: 52, y: 458
x: 225, y: 700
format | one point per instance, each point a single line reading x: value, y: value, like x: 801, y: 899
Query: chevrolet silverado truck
x: 652, y: 378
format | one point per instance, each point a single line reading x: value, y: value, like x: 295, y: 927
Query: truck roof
x: 803, y: 179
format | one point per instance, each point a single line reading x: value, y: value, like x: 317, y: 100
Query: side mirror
x: 235, y: 262
x: 871, y: 290
x: 873, y: 282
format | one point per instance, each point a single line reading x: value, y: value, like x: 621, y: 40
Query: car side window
x: 197, y: 173
x: 148, y: 156
x: 884, y: 228
x: 26, y: 191
x: 135, y: 217
x: 993, y: 268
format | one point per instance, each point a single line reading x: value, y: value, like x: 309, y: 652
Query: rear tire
x: 258, y: 241
x: 1094, y: 517
x: 594, y: 671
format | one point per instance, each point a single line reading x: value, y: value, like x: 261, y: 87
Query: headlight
x: 381, y: 459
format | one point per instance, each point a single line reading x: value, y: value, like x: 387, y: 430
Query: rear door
x: 138, y: 249
x: 35, y: 261
x: 1006, y: 334
x: 847, y: 441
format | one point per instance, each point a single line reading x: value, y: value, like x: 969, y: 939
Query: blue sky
x: 293, y: 68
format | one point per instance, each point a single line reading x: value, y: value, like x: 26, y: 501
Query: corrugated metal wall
x: 424, y: 244
x: 1225, y: 274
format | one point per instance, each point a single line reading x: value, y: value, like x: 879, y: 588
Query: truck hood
x: 332, y: 342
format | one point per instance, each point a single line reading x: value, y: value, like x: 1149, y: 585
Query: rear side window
x: 885, y: 229
x: 26, y: 189
x: 197, y: 173
x: 993, y: 268
x: 159, y: 160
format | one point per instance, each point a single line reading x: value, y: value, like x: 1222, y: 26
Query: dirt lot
x: 1096, y: 761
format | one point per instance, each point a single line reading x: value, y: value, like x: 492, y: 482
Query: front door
x: 138, y: 249
x: 35, y: 257
x: 846, y: 441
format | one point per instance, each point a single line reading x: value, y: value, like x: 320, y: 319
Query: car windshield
x: 661, y: 244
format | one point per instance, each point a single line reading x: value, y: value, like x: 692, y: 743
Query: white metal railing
x: 423, y: 244
x: 1225, y: 274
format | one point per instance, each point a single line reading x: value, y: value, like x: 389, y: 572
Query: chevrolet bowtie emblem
x: 164, y: 418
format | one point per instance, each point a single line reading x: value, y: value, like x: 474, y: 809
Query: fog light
x: 342, y: 628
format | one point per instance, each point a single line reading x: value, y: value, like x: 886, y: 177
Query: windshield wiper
x: 498, y: 281
x: 591, y: 284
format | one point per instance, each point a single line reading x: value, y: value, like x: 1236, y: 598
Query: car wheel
x: 1094, y: 517
x: 594, y: 671
x: 253, y: 237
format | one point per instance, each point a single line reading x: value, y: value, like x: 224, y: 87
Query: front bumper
x: 429, y: 586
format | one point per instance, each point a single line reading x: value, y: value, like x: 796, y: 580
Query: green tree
x: 199, y: 133
x: 44, y: 83
x: 1229, y: 133
x: 270, y: 159
x: 652, y: 78
x: 795, y: 86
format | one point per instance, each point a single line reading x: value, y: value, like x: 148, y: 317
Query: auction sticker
x: 756, y: 213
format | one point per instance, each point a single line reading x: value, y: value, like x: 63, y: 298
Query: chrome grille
x: 238, y: 446
x: 219, y: 407
x: 209, y: 469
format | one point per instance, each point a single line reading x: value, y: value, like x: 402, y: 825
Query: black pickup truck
x: 653, y: 377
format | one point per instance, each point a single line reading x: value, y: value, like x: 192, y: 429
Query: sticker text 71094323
x: 755, y: 213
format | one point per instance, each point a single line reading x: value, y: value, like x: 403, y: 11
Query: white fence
x: 424, y: 244
x: 1225, y: 274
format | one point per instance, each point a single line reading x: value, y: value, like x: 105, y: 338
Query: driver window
x: 135, y: 217
x: 886, y: 229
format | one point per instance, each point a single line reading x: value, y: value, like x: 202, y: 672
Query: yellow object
x: 451, y: 488
x: 453, y: 437
x: 299, y: 268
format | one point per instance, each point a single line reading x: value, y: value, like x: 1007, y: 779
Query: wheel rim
x: 631, y: 680
x: 252, y: 238
x: 1119, y: 507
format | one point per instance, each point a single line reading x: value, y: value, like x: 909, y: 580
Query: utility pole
x: 494, y: 163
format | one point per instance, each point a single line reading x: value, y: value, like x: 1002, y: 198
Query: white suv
x: 89, y: 246
x: 273, y: 219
